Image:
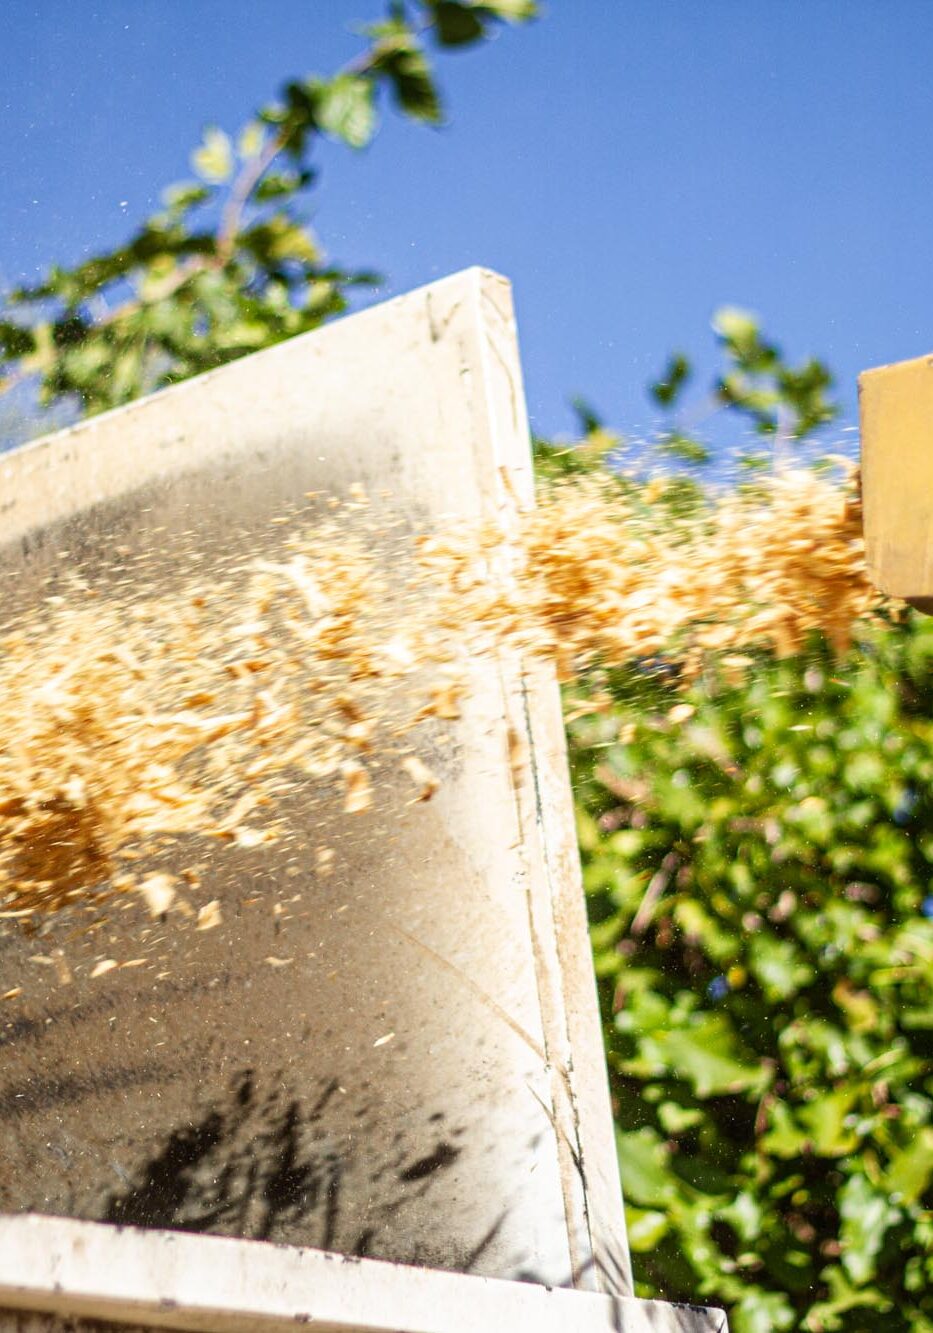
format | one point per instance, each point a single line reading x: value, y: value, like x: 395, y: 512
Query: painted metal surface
x: 232, y: 1098
x: 168, y: 1280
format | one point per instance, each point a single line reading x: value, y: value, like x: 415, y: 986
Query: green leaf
x: 739, y: 327
x: 643, y: 1166
x: 910, y: 1170
x: 15, y: 341
x: 666, y: 390
x: 513, y: 11
x: 280, y: 185
x: 676, y: 1119
x: 279, y: 238
x: 778, y: 966
x: 823, y: 1120
x: 458, y: 24
x: 589, y: 421
x: 185, y: 195
x: 344, y: 109
x: 699, y: 924
x: 784, y: 1138
x: 761, y: 1311
x: 415, y: 89
x: 213, y: 161
x: 646, y: 1228
x: 843, y: 1298
x: 251, y: 140
x: 866, y: 1216
x: 745, y: 1215
x: 705, y: 1054
x: 462, y: 22
x: 399, y: 56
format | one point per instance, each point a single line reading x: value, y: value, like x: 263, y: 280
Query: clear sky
x: 629, y: 164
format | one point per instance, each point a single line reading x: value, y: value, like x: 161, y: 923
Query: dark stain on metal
x: 443, y: 1155
x: 22, y: 1099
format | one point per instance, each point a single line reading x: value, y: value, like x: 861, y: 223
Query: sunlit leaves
x: 185, y: 195
x: 778, y: 966
x: 345, y: 109
x: 644, y: 1163
x: 213, y: 160
x: 229, y: 265
x: 768, y: 1022
x: 399, y: 56
x: 278, y: 239
x: 251, y: 140
x: 762, y: 385
x: 704, y: 1052
x: 866, y: 1215
x: 516, y: 11
x: 740, y: 331
x: 645, y: 1228
x: 414, y: 88
x: 760, y: 1311
x: 756, y: 383
x: 910, y: 1170
x: 281, y: 185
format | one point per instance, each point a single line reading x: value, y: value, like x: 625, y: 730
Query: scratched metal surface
x: 237, y: 1098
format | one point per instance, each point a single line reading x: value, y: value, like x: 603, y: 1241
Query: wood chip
x: 426, y: 781
x: 159, y: 892
x: 209, y: 916
x: 680, y: 713
x: 130, y: 722
x: 324, y: 860
x: 358, y: 791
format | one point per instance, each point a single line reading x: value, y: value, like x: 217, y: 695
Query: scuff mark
x: 439, y: 327
x: 483, y: 996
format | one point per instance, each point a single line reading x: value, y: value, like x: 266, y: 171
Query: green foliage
x: 230, y: 264
x: 758, y: 853
x: 465, y: 21
x: 756, y: 384
x: 595, y: 449
x: 762, y: 385
x: 666, y: 390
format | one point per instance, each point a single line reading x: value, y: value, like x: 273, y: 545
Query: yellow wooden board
x: 896, y: 405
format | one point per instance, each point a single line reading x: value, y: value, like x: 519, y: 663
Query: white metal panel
x: 233, y: 1098
x: 216, y: 1285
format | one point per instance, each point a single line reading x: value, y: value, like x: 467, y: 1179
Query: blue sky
x: 629, y: 164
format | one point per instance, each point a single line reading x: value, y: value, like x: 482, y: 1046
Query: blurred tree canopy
x: 230, y: 263
x: 758, y: 847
